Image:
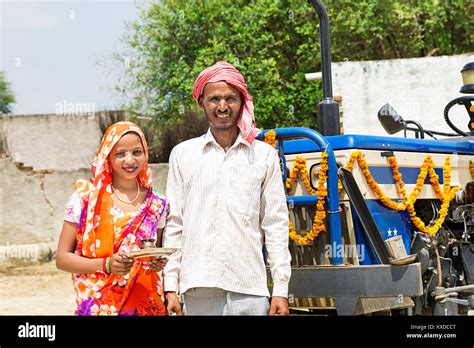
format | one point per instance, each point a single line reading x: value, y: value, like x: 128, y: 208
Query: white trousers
x: 215, y: 301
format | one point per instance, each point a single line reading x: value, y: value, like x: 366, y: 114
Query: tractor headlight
x: 468, y: 78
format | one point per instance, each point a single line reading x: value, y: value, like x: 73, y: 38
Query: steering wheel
x: 467, y: 102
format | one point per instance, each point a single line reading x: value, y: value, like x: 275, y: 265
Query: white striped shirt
x: 223, y: 206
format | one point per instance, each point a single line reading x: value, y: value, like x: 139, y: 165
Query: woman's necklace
x: 124, y: 201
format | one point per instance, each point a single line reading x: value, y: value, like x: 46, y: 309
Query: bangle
x: 104, y: 260
x: 107, y: 265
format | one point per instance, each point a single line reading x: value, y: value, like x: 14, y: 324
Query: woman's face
x: 127, y: 157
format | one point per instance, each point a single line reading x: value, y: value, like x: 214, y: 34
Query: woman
x: 106, y: 218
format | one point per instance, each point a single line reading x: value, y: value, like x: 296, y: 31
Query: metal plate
x: 152, y: 253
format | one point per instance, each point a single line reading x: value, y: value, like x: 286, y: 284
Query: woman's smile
x: 130, y: 170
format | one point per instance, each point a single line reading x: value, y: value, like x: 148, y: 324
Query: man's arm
x: 274, y: 224
x: 172, y: 235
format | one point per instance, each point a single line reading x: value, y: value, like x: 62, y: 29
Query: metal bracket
x: 387, y: 154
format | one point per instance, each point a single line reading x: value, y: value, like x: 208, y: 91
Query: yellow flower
x: 408, y: 202
x: 270, y: 138
x: 300, y: 168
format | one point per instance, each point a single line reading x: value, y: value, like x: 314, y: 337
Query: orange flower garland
x: 446, y: 197
x: 357, y: 155
x: 408, y: 203
x: 471, y: 167
x: 299, y: 167
x: 270, y: 138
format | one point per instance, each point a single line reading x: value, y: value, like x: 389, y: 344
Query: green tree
x: 6, y: 96
x: 382, y: 29
x: 274, y: 43
x: 175, y: 40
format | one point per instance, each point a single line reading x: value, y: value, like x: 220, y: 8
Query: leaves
x: 6, y: 95
x: 274, y: 43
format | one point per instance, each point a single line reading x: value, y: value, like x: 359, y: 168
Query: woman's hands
x: 120, y: 264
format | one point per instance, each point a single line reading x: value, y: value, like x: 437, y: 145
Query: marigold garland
x: 471, y: 167
x: 299, y: 168
x: 270, y: 138
x: 408, y: 202
x: 446, y: 196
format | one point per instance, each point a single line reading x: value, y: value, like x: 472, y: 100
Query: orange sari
x: 104, y: 230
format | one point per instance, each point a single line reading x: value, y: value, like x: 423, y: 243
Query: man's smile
x: 227, y: 115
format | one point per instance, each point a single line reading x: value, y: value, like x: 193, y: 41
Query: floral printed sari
x: 104, y: 230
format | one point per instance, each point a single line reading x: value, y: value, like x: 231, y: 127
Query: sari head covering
x: 97, y: 238
x: 223, y: 71
x: 105, y: 230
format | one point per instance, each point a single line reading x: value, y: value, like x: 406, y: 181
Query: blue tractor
x: 379, y: 223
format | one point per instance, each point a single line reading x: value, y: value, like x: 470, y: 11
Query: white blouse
x: 72, y: 213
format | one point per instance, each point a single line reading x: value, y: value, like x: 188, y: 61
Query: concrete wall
x: 417, y: 88
x: 32, y: 203
x: 51, y: 141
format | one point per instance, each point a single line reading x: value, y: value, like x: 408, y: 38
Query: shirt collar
x: 209, y: 138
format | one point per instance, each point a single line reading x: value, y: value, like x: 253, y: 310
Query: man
x: 226, y: 201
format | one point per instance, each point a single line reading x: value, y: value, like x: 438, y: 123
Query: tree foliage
x: 6, y: 96
x: 382, y: 29
x: 274, y: 43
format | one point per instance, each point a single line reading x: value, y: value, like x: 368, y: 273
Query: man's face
x: 221, y: 103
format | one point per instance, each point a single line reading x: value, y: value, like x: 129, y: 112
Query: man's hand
x: 158, y: 264
x: 172, y: 304
x: 279, y: 306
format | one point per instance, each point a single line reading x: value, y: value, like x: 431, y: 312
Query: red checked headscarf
x: 223, y: 71
x: 98, y: 238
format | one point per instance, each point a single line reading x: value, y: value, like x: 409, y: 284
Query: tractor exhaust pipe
x: 328, y: 109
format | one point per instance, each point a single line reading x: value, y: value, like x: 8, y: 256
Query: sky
x: 58, y: 54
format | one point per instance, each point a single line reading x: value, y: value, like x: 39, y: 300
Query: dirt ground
x: 38, y: 289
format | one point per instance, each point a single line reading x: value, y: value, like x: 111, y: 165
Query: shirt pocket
x: 244, y: 197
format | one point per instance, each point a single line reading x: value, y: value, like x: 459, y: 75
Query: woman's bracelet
x: 104, y: 260
x: 107, y: 265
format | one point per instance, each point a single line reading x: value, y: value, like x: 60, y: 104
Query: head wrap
x: 98, y: 230
x: 223, y: 71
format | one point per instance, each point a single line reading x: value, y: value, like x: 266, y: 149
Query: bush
x: 161, y: 142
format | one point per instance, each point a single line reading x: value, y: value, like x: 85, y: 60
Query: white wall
x: 63, y: 142
x: 32, y: 204
x: 418, y: 88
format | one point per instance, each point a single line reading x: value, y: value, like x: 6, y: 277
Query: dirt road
x: 36, y: 290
